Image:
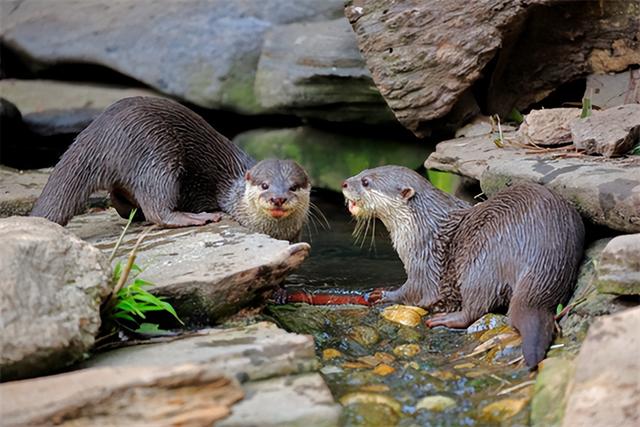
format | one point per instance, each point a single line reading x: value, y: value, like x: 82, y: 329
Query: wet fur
x: 158, y: 155
x: 518, y: 251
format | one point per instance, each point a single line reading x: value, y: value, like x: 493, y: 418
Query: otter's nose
x: 278, y: 201
x: 344, y: 184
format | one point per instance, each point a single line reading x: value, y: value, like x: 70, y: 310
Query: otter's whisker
x: 321, y: 215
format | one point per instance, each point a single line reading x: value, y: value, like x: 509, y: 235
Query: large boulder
x: 51, y: 287
x: 424, y: 56
x: 133, y: 395
x: 203, y: 51
x: 605, y: 389
x: 619, y: 266
x: 316, y: 69
x: 207, y: 272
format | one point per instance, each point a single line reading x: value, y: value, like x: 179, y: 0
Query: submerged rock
x: 612, y: 132
x: 618, y: 270
x: 207, y: 272
x: 436, y: 403
x: 604, y: 191
x: 605, y: 389
x: 51, y: 288
x: 141, y: 395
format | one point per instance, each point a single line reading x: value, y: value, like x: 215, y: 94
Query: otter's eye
x: 365, y: 182
x: 294, y: 188
x: 264, y: 186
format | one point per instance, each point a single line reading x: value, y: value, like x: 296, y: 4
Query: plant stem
x: 124, y: 231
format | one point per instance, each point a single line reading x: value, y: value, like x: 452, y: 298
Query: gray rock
x: 605, y: 389
x: 51, y: 288
x: 611, y: 132
x: 316, y: 69
x: 619, y: 266
x: 53, y: 108
x: 611, y: 90
x: 250, y: 353
x: 330, y: 157
x: 20, y: 189
x: 112, y: 396
x: 605, y: 191
x: 206, y: 272
x: 548, y: 127
x: 203, y: 51
x: 547, y: 405
x: 302, y: 400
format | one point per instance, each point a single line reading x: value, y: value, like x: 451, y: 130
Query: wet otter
x: 518, y: 250
x: 158, y: 155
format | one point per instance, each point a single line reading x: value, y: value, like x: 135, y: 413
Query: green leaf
x: 117, y: 271
x: 123, y: 315
x: 515, y: 116
x: 586, y: 107
x: 559, y: 309
x: 128, y: 306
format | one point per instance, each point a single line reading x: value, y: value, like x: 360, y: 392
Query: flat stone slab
x: 605, y: 390
x: 605, y: 191
x: 206, y: 272
x: 618, y: 270
x: 20, y: 189
x: 140, y: 395
x: 254, y: 352
x: 301, y: 400
x: 52, y: 107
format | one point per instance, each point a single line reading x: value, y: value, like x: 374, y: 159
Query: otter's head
x: 382, y: 192
x: 278, y: 189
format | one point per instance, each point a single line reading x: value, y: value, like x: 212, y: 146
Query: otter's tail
x: 68, y: 188
x: 536, y: 328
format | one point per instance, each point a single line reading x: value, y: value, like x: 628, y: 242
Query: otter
x: 159, y: 156
x: 518, y: 251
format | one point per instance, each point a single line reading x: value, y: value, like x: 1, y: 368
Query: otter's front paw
x: 380, y: 295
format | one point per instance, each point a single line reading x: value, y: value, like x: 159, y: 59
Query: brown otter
x: 518, y: 250
x: 158, y: 155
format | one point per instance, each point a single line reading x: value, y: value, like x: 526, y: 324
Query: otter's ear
x: 247, y: 176
x: 407, y: 193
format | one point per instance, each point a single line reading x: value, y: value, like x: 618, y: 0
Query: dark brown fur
x: 158, y: 155
x: 518, y: 251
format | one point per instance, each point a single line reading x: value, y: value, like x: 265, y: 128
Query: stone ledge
x: 605, y: 191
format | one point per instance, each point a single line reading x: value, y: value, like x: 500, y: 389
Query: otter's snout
x: 278, y: 201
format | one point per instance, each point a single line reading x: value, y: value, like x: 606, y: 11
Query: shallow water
x: 364, y: 356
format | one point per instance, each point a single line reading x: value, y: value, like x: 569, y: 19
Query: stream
x: 387, y: 373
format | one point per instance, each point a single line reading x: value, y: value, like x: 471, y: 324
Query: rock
x: 605, y: 389
x: 20, y: 190
x: 436, y: 403
x: 422, y: 74
x: 548, y: 127
x: 611, y: 90
x: 316, y: 69
x: 290, y: 401
x: 206, y: 272
x: 141, y: 395
x: 53, y: 108
x: 12, y: 129
x: 480, y: 125
x: 424, y: 55
x: 202, y: 51
x: 51, y: 288
x: 611, y: 132
x: 330, y: 157
x: 618, y: 271
x: 487, y: 322
x: 604, y: 191
x: 255, y: 352
x: 547, y: 405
